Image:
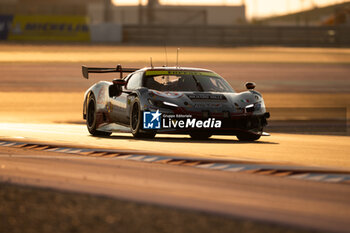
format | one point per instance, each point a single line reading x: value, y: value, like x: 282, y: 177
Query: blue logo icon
x: 151, y: 120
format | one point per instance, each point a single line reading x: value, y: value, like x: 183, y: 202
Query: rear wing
x: 86, y: 70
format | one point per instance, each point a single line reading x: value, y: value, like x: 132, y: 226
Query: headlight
x: 249, y: 108
x: 163, y: 104
x: 170, y: 104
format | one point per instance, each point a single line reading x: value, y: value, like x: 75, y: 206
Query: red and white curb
x: 292, y: 172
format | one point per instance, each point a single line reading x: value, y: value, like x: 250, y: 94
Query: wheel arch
x: 100, y: 91
x: 87, y: 96
x: 140, y: 93
x: 138, y: 131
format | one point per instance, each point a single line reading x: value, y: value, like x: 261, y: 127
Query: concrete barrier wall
x: 106, y: 32
x: 44, y: 28
x: 76, y: 28
x: 237, y: 35
x: 57, y: 28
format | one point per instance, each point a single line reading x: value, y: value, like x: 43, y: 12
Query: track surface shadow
x: 186, y: 140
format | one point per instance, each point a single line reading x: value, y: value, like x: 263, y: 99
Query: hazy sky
x: 255, y: 8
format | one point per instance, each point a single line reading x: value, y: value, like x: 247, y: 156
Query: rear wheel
x: 91, y: 118
x: 248, y: 137
x: 136, y: 121
x: 200, y: 135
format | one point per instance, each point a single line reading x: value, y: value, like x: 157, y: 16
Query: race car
x: 179, y: 100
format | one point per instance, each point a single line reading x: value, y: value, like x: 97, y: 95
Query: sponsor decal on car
x: 101, y: 96
x: 157, y: 120
x: 175, y: 72
x: 206, y: 97
x: 245, y: 100
x: 207, y: 105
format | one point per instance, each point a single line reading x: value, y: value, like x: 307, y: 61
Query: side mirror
x: 116, y: 89
x: 250, y: 85
x: 119, y: 82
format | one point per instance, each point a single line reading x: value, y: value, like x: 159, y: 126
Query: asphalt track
x: 298, y: 203
x: 312, y: 205
x: 291, y: 149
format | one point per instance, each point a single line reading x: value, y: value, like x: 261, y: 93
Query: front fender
x: 142, y: 94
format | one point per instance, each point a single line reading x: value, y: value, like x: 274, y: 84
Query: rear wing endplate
x: 86, y: 70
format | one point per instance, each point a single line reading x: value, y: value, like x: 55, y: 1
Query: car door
x: 120, y: 103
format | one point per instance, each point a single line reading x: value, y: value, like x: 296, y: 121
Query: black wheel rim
x: 91, y: 113
x: 135, y: 116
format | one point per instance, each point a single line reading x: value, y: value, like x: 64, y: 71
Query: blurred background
x: 179, y: 22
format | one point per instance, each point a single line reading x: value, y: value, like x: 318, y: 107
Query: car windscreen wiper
x: 199, y: 86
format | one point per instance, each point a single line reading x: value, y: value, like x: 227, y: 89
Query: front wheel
x: 91, y: 118
x: 248, y: 137
x: 136, y: 121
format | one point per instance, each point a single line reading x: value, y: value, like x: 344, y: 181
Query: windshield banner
x: 180, y: 72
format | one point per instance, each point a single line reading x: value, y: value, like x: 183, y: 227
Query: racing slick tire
x: 136, y: 119
x: 91, y: 118
x: 200, y: 135
x: 249, y: 137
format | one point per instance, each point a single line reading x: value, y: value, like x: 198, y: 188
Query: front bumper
x: 229, y: 126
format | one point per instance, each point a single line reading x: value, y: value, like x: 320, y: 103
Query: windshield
x: 186, y: 81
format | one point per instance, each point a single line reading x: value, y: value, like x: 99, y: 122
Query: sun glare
x: 255, y: 8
